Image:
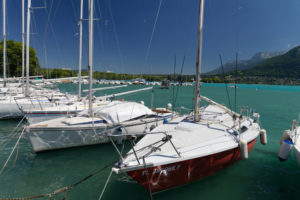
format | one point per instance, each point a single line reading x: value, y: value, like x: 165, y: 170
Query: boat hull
x: 297, y: 154
x: 163, y: 177
x: 33, y: 118
x: 52, y: 139
x: 46, y: 139
x: 10, y: 110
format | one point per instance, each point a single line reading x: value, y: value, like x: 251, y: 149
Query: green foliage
x: 62, y: 73
x: 57, y: 73
x: 14, y: 59
x: 212, y: 79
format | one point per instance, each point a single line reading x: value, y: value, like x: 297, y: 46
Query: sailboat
x: 115, y: 118
x: 63, y: 109
x: 13, y: 98
x: 190, y: 147
x: 95, y: 125
x: 66, y: 109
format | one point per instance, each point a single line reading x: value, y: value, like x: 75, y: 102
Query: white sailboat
x: 63, y: 109
x: 13, y: 97
x: 94, y: 124
x: 191, y: 147
x: 117, y: 117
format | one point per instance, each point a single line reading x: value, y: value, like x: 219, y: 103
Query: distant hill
x: 244, y: 64
x: 283, y: 66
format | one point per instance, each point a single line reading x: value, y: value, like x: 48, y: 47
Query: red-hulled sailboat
x: 193, y: 146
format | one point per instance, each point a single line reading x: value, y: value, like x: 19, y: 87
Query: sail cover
x: 120, y: 111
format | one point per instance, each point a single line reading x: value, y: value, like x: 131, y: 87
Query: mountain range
x: 283, y: 66
x: 245, y: 64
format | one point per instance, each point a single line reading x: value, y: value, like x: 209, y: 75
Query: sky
x: 123, y: 29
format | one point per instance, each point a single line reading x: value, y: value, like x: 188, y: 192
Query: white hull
x: 297, y: 154
x: 11, y: 106
x: 36, y: 118
x: 45, y: 140
x: 297, y: 146
x: 10, y: 110
x: 296, y: 141
x: 57, y: 138
x: 57, y: 111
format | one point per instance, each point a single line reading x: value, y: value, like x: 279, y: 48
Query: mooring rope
x: 13, y: 134
x: 11, y: 153
x: 103, y: 190
x: 15, y: 160
x: 63, y: 189
x: 148, y: 180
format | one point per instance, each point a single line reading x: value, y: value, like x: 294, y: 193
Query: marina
x: 261, y: 176
x: 144, y: 132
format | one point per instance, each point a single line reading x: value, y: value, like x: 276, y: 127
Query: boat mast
x: 27, y: 48
x: 23, y: 46
x: 4, y: 41
x: 80, y: 49
x: 198, y: 62
x: 90, y: 62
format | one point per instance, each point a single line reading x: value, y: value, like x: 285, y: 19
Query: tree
x: 14, y: 59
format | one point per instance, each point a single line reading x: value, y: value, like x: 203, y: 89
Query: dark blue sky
x: 123, y: 32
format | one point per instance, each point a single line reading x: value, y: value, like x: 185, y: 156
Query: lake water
x: 262, y: 176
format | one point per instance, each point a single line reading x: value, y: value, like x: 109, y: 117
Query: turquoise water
x: 262, y: 176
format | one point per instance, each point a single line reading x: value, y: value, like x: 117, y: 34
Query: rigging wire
x: 33, y: 24
x: 223, y: 73
x: 54, y: 35
x: 98, y: 26
x: 34, y: 31
x: 45, y: 36
x: 181, y: 71
x: 49, y: 24
x: 174, y: 81
x: 152, y: 34
x: 76, y: 14
x: 116, y: 36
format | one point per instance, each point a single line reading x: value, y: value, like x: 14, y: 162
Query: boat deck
x: 213, y: 134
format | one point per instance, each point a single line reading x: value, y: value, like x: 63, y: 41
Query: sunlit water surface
x: 262, y: 176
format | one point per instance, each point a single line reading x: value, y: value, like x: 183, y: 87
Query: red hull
x: 171, y: 175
